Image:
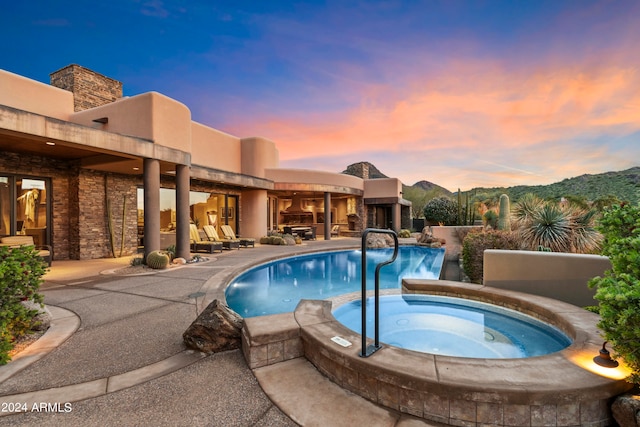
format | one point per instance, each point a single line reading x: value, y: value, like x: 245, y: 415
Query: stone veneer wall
x: 92, y: 227
x: 61, y: 174
x: 90, y: 89
x: 79, y: 227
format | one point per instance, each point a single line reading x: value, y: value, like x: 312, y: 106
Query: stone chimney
x: 90, y: 89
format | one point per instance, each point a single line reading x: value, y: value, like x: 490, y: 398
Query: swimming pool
x: 455, y: 327
x: 278, y: 286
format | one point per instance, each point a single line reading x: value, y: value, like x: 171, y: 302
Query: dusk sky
x: 460, y: 93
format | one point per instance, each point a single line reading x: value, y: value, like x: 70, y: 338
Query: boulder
x: 217, y: 328
x: 427, y: 238
x: 379, y: 240
x: 626, y: 410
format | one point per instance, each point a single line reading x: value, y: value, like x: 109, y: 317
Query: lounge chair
x: 335, y: 231
x: 231, y: 235
x: 44, y: 251
x: 212, y: 235
x: 199, y: 245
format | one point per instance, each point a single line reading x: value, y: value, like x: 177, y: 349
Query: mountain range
x: 622, y: 185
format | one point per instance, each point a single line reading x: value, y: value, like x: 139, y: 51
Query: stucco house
x: 95, y: 174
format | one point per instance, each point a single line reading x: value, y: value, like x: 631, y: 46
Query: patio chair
x: 44, y: 251
x: 335, y: 231
x: 231, y: 235
x: 199, y: 245
x: 212, y: 235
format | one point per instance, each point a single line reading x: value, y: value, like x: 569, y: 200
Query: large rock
x: 626, y: 410
x: 427, y: 238
x: 379, y: 240
x: 217, y: 328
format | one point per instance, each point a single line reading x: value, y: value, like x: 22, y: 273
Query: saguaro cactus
x: 504, y: 219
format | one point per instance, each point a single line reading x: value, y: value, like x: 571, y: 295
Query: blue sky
x: 460, y: 93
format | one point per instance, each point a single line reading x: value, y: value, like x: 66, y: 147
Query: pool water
x: 278, y: 286
x: 454, y: 327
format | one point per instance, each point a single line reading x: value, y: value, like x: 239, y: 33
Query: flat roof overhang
x: 387, y: 201
x: 230, y: 178
x: 29, y: 133
x: 290, y: 188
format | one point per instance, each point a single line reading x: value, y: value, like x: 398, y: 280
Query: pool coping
x: 561, y: 387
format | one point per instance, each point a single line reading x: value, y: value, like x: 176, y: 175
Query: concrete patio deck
x: 114, y: 356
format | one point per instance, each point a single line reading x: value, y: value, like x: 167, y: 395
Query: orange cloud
x: 487, y: 106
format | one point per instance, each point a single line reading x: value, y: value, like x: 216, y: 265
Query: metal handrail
x: 368, y: 351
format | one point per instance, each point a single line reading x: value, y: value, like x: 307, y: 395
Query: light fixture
x: 604, y: 358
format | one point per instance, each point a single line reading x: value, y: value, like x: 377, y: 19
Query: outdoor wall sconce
x: 604, y: 358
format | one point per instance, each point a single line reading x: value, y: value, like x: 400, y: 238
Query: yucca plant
x: 523, y: 211
x: 550, y: 227
x: 586, y: 238
x: 569, y: 229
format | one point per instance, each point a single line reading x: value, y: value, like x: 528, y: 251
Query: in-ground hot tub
x: 564, y: 388
x: 451, y: 326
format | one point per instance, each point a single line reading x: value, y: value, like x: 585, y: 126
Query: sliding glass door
x: 24, y: 207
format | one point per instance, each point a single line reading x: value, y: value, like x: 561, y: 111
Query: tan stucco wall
x: 381, y: 188
x: 151, y: 115
x: 254, y: 213
x: 215, y: 149
x: 30, y: 95
x: 306, y: 176
x: 258, y: 154
x: 556, y: 275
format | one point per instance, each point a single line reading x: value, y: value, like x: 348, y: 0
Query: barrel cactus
x: 504, y: 218
x: 157, y: 260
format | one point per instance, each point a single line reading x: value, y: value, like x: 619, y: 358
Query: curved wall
x: 151, y: 115
x: 301, y: 179
x: 258, y: 154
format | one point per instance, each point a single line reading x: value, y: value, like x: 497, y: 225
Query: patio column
x: 151, y: 182
x: 183, y: 184
x: 327, y: 216
x: 395, y: 217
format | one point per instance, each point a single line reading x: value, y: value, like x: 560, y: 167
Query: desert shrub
x: 561, y: 229
x: 171, y: 252
x: 21, y: 271
x: 618, y: 292
x: 490, y: 219
x: 474, y: 245
x: 441, y: 210
x: 136, y: 261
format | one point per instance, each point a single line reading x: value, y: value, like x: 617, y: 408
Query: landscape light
x: 604, y: 358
